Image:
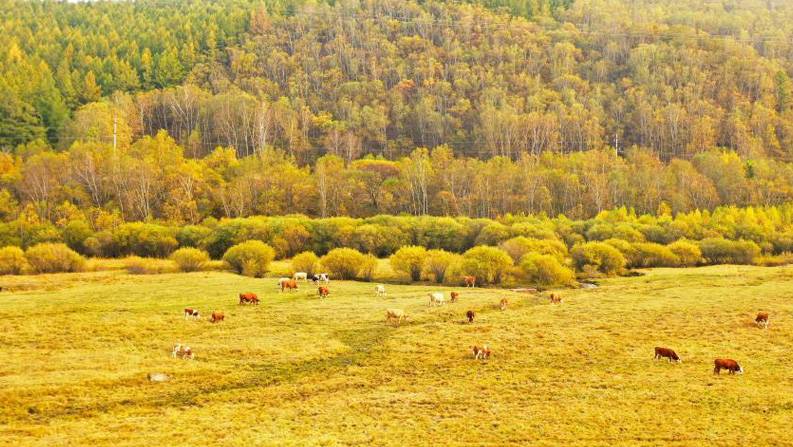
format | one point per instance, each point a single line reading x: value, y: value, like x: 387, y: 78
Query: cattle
x: 323, y: 292
x: 217, y: 316
x: 281, y: 282
x: 482, y: 353
x: 379, y: 290
x: 249, y: 298
x: 395, y: 316
x: 555, y: 299
x: 436, y: 298
x: 183, y: 352
x: 189, y: 312
x: 762, y: 320
x: 300, y: 276
x: 503, y: 304
x: 289, y: 284
x: 317, y: 277
x: 470, y: 281
x: 470, y: 316
x: 666, y: 353
x: 729, y: 364
x: 455, y: 296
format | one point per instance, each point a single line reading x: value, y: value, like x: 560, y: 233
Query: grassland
x: 76, y: 349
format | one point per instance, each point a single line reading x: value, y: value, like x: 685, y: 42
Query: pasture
x: 295, y: 370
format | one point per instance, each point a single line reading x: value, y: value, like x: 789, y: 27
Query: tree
x: 409, y: 260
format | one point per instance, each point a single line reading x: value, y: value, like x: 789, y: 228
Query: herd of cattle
x: 397, y: 316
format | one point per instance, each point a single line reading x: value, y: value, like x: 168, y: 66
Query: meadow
x: 296, y: 370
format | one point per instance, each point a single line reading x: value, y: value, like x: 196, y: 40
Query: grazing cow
x: 729, y: 364
x: 281, y: 282
x: 666, y: 353
x: 436, y: 298
x: 217, y: 316
x: 249, y: 298
x: 395, y: 316
x: 455, y: 296
x: 289, y: 284
x: 323, y: 292
x: 470, y: 316
x: 482, y: 353
x: 300, y: 276
x: 379, y: 290
x: 503, y: 304
x: 762, y: 320
x: 324, y: 277
x: 555, y: 299
x: 470, y: 281
x: 189, y: 312
x: 183, y: 352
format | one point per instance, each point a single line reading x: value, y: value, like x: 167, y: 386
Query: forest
x: 182, y: 111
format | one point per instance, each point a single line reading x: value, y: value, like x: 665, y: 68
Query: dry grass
x: 299, y: 371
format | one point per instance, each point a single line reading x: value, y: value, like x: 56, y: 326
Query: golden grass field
x: 76, y: 350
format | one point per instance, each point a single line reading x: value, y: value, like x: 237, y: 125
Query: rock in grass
x: 158, y: 377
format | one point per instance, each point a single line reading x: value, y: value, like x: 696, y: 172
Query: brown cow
x: 249, y: 298
x: 289, y: 284
x: 217, y: 316
x: 762, y: 320
x: 182, y: 351
x: 470, y: 281
x: 555, y: 299
x: 189, y: 312
x: 455, y: 296
x: 729, y: 364
x: 503, y: 304
x: 666, y: 353
x: 481, y: 353
x: 323, y: 292
x: 470, y: 316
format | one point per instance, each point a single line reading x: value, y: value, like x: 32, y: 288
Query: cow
x: 289, y: 284
x: 729, y: 364
x: 217, y: 316
x: 249, y: 298
x: 470, y: 281
x: 281, y: 282
x: 503, y: 304
x: 666, y: 353
x: 323, y: 291
x: 183, y: 352
x: 482, y: 353
x: 762, y: 320
x: 298, y: 276
x: 379, y: 290
x: 395, y: 315
x: 455, y: 296
x: 317, y: 277
x: 470, y: 316
x: 436, y: 298
x: 189, y: 312
x: 555, y: 299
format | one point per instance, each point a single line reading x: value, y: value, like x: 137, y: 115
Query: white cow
x: 395, y: 315
x: 183, y: 352
x: 436, y: 298
x: 300, y: 276
x: 380, y: 290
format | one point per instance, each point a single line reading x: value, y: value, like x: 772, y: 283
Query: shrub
x: 189, y: 259
x: 343, y: 263
x: 305, y: 262
x: 545, y: 270
x: 409, y: 261
x: 518, y: 247
x: 12, y: 261
x: 688, y: 253
x: 602, y: 231
x: 488, y: 264
x: 650, y: 254
x: 75, y: 234
x: 437, y: 263
x: 250, y: 258
x: 52, y: 258
x: 142, y: 239
x: 598, y: 256
x: 723, y: 251
x: 626, y: 248
x: 135, y: 265
x: 192, y: 235
x: 368, y: 267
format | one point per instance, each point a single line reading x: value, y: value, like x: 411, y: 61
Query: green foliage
x: 650, y: 254
x: 53, y: 258
x: 368, y: 267
x: 723, y: 251
x: 189, y: 259
x: 519, y: 246
x: 437, y: 263
x: 409, y: 261
x: 545, y: 270
x: 488, y: 264
x: 305, y: 262
x: 250, y: 258
x: 687, y: 252
x: 75, y: 234
x: 344, y: 263
x: 598, y: 257
x: 12, y: 261
x: 141, y: 239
